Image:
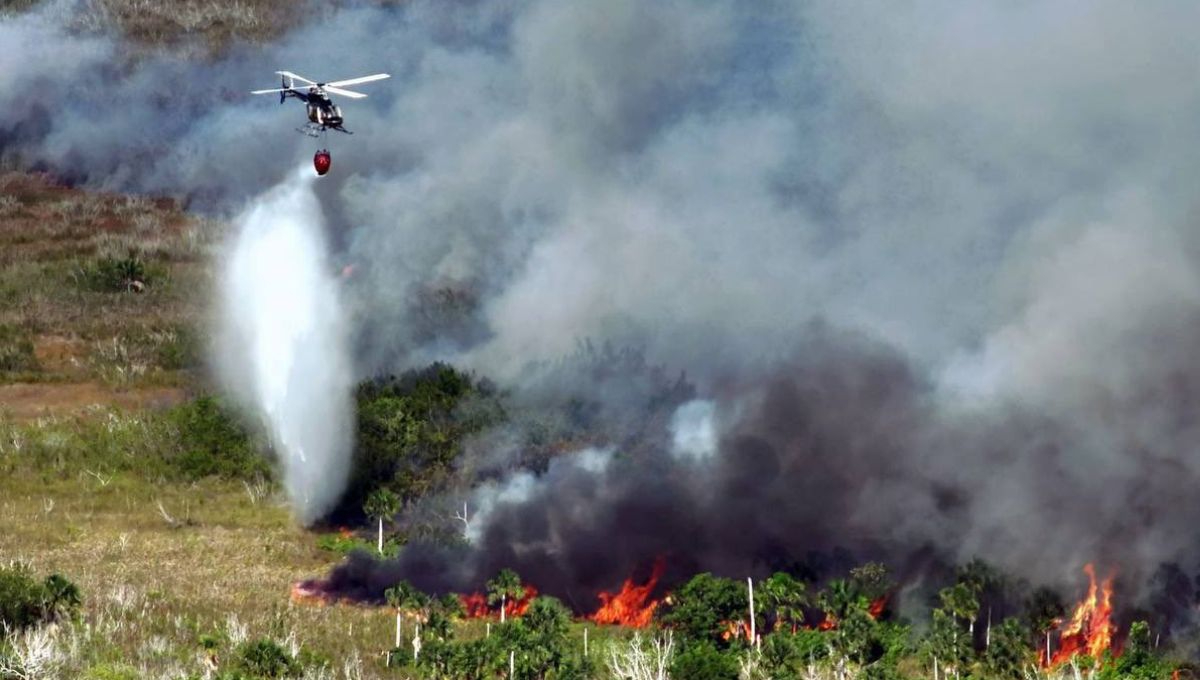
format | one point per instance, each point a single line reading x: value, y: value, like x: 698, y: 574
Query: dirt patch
x: 25, y: 401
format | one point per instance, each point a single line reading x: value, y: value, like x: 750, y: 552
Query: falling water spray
x: 282, y: 346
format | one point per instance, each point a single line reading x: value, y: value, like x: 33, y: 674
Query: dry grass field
x: 90, y: 353
x: 99, y: 298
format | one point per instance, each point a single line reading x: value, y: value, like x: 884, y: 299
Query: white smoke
x: 283, y: 348
x: 694, y: 430
x: 521, y: 486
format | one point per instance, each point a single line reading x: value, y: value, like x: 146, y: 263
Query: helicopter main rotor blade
x: 358, y: 81
x: 345, y: 93
x: 284, y: 89
x: 302, y: 79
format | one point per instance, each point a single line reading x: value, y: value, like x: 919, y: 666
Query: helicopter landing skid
x: 313, y: 130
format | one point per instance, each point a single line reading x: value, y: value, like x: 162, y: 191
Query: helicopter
x: 323, y: 114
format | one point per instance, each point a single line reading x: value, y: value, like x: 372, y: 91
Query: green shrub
x: 344, y: 545
x: 703, y: 661
x: 16, y: 350
x: 108, y: 274
x: 213, y: 444
x: 264, y: 658
x: 1139, y: 661
x: 25, y: 601
x: 702, y: 608
x: 412, y: 428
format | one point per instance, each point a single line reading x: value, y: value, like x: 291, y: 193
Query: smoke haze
x: 934, y: 266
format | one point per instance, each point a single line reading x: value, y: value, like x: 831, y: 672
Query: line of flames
x: 631, y: 606
x: 1089, y: 631
x: 477, y: 607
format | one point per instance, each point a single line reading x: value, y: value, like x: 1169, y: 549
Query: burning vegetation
x: 632, y: 605
x: 848, y: 623
x: 476, y: 605
x: 1090, y: 629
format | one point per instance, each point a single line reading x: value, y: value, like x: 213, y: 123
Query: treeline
x: 423, y: 432
x: 703, y: 631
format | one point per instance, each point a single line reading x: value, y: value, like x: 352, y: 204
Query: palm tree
x: 958, y: 604
x: 406, y: 598
x: 506, y: 584
x: 786, y: 597
x: 985, y: 581
x: 837, y: 599
x: 380, y: 504
x: 960, y: 601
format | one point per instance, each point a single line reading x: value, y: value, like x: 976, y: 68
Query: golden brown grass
x: 52, y: 239
x: 160, y: 565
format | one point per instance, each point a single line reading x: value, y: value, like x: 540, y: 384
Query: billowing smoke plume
x: 283, y: 346
x: 934, y: 265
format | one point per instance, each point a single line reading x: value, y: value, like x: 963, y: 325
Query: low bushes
x: 212, y: 443
x: 26, y: 601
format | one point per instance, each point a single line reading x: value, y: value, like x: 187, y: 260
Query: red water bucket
x: 322, y: 161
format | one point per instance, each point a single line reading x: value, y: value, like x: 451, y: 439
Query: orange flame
x: 345, y: 532
x: 631, y: 606
x: 1090, y: 630
x: 736, y: 629
x: 877, y: 607
x: 476, y: 604
x: 519, y: 607
x: 874, y: 610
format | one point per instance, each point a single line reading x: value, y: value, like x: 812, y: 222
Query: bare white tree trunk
x: 585, y: 650
x: 987, y: 633
x: 935, y: 668
x: 398, y: 628
x: 416, y: 641
x: 503, y: 605
x: 753, y: 631
x: 512, y: 662
x: 379, y: 542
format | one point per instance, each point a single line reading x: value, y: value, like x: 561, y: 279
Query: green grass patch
x: 197, y: 439
x: 125, y: 274
x: 16, y: 350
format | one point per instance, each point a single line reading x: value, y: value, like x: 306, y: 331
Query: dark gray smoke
x: 989, y: 206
